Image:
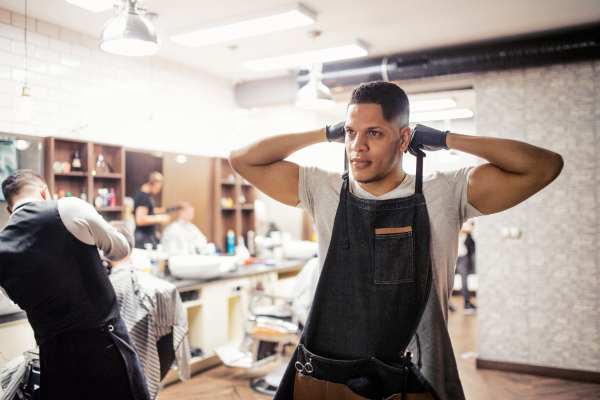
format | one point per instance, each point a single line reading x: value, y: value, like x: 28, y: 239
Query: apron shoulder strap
x: 342, y: 211
x: 419, y: 177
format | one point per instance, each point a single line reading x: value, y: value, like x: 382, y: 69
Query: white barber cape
x: 150, y: 308
x: 183, y: 237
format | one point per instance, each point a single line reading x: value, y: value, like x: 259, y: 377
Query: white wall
x: 84, y: 93
x: 538, y: 295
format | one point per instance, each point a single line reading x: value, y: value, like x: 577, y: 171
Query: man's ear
x: 45, y: 192
x: 9, y: 210
x: 405, y: 135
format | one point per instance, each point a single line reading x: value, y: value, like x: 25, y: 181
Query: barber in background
x: 50, y: 267
x: 182, y: 236
x: 147, y: 216
x: 465, y: 263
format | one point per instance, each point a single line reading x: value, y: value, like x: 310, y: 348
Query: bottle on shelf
x: 230, y: 242
x: 241, y: 250
x: 84, y: 195
x: 76, y: 162
x: 251, y: 243
x: 113, y: 197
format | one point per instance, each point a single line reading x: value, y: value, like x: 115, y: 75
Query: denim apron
x: 376, y: 329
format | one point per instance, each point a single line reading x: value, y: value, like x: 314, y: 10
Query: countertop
x: 184, y: 285
x: 11, y: 316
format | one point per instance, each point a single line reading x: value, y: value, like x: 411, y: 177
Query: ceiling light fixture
x: 440, y: 115
x: 310, y: 57
x: 267, y: 21
x: 437, y: 104
x: 314, y: 95
x: 129, y: 33
x: 94, y: 5
x: 25, y: 110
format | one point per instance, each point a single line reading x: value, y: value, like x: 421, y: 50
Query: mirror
x: 17, y: 152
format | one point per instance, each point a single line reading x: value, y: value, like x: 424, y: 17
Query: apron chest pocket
x: 393, y: 256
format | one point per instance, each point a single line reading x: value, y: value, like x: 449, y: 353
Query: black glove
x: 426, y: 138
x: 336, y: 133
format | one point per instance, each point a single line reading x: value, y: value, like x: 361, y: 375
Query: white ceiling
x: 386, y: 25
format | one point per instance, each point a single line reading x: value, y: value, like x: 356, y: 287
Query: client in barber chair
x: 154, y: 316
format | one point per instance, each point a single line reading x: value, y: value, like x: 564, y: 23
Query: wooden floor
x: 222, y: 383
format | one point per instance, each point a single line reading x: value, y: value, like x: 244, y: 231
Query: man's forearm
x: 276, y: 148
x: 509, y: 155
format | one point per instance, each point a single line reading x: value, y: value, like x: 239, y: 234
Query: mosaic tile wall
x: 539, y: 295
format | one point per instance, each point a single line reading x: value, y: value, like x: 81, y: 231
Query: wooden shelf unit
x: 59, y: 149
x: 240, y: 217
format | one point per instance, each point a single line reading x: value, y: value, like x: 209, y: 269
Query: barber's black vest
x: 57, y: 279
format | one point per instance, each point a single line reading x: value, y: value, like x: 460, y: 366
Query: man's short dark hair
x: 392, y: 99
x: 19, y: 179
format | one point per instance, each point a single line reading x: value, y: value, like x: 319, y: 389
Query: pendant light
x: 128, y: 33
x: 314, y: 95
x: 25, y: 110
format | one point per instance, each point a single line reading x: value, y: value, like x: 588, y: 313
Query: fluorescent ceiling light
x: 432, y: 104
x: 308, y: 58
x: 273, y: 20
x: 440, y: 115
x: 94, y: 5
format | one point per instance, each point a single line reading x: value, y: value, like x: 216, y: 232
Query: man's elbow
x: 236, y: 160
x: 553, y: 168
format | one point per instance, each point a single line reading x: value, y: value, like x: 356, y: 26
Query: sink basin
x: 200, y: 267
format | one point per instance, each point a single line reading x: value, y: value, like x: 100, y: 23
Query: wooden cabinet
x: 218, y: 315
x: 94, y: 175
x: 236, y: 214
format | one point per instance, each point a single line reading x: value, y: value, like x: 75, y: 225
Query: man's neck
x: 25, y: 199
x: 384, y: 185
x: 115, y: 264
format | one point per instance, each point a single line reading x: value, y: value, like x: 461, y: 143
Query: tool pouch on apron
x: 328, y: 379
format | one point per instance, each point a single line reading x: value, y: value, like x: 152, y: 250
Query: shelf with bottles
x: 248, y: 196
x: 229, y: 223
x: 228, y: 175
x: 76, y: 174
x: 68, y: 157
x: 107, y: 161
x: 247, y: 224
x: 107, y: 194
x: 70, y: 186
x: 110, y: 175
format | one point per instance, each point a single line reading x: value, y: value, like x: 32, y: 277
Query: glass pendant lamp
x: 314, y: 95
x: 129, y: 33
x: 25, y: 109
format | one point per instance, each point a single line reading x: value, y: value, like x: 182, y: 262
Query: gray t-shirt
x: 447, y: 205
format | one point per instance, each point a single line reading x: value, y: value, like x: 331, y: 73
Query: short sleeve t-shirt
x: 143, y: 199
x: 447, y: 205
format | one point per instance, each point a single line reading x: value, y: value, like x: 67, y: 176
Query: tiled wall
x: 82, y: 92
x: 539, y: 295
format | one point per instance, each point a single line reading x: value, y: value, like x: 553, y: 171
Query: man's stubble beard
x: 381, y: 175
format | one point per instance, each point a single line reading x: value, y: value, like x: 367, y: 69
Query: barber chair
x: 270, y: 329
x: 29, y: 383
